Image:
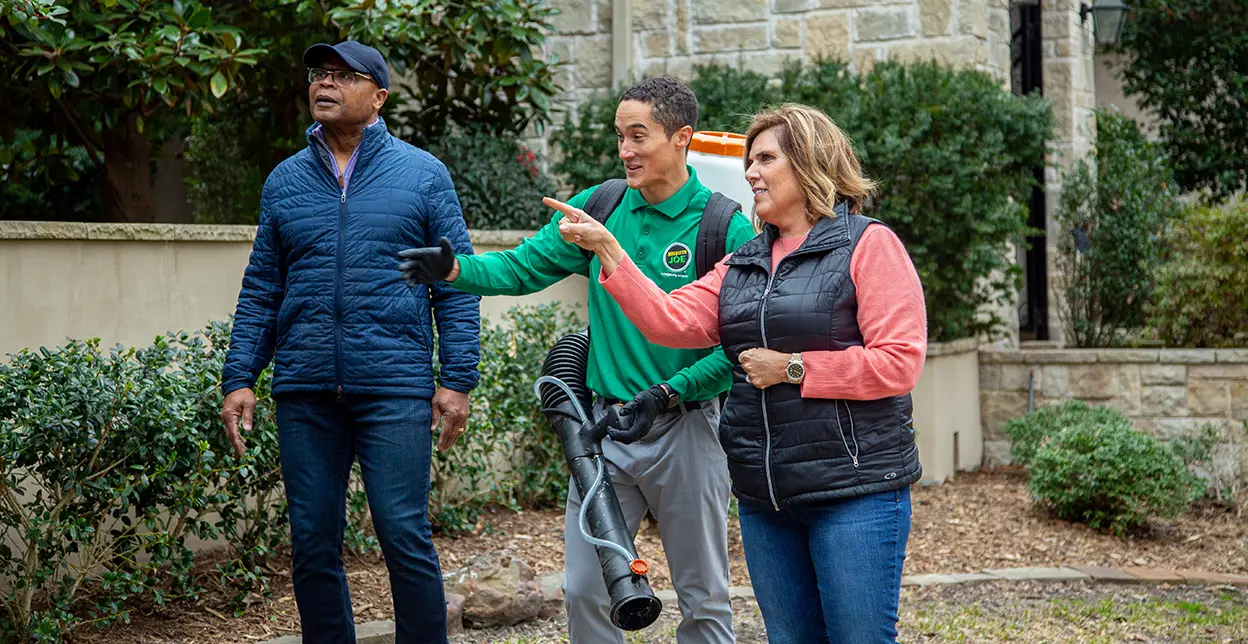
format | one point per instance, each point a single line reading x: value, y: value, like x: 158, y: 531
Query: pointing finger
x: 572, y: 213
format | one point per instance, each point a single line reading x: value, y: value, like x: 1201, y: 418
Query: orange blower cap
x: 639, y: 567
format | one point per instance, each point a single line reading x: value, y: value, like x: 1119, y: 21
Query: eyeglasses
x: 344, y: 77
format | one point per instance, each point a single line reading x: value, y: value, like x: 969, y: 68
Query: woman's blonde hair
x: 821, y: 155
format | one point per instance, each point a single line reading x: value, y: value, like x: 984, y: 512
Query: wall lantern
x: 1108, y: 17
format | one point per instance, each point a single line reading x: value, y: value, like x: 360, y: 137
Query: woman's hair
x: 821, y: 155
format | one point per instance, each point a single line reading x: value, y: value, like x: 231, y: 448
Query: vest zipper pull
x: 344, y: 195
x: 340, y: 398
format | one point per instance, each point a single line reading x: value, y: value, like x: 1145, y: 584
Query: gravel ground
x: 1074, y: 612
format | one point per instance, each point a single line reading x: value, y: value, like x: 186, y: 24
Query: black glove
x: 638, y: 415
x: 427, y: 265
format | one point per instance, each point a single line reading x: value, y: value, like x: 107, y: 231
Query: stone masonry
x: 1166, y: 392
x: 1069, y: 82
x: 671, y: 36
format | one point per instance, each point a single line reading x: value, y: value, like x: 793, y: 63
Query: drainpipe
x: 621, y: 43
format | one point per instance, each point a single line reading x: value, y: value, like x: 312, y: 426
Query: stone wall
x: 1168, y: 393
x: 671, y: 36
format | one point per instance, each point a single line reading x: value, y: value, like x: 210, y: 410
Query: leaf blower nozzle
x: 565, y: 399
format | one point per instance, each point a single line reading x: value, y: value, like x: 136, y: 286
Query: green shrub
x: 1111, y: 476
x: 952, y: 151
x: 1114, y: 207
x: 1028, y: 433
x: 499, y: 182
x: 508, y: 455
x: 1089, y: 464
x: 1201, y: 295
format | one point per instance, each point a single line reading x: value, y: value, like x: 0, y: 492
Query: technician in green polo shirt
x: 668, y: 460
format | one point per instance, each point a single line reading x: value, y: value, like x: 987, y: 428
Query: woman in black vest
x: 822, y: 315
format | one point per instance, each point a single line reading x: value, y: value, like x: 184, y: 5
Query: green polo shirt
x: 661, y: 239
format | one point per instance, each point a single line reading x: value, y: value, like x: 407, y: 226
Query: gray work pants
x: 679, y: 472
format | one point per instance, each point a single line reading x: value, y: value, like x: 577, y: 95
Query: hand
x: 577, y: 227
x: 764, y: 367
x: 427, y: 265
x: 450, y: 408
x: 240, y: 405
x: 638, y: 415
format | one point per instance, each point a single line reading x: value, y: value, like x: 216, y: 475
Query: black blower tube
x: 633, y: 604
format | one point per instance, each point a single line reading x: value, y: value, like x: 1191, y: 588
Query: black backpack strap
x: 713, y: 232
x: 604, y: 201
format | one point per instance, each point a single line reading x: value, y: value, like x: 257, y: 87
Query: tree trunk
x: 128, y: 194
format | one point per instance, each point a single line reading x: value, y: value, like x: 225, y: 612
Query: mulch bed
x: 980, y: 520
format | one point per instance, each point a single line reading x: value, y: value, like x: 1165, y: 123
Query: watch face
x: 795, y: 371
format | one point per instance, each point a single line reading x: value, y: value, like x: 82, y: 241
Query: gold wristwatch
x: 795, y: 371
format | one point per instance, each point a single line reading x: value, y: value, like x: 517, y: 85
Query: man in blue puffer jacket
x: 353, y: 374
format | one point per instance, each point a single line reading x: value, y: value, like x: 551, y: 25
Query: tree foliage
x: 119, y: 77
x: 111, y: 76
x: 1187, y: 61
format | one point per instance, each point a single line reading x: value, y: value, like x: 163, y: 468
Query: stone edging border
x: 1128, y: 575
x: 1114, y: 356
x: 103, y: 231
x: 382, y: 632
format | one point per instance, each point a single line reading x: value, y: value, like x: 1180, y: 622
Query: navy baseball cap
x: 358, y: 57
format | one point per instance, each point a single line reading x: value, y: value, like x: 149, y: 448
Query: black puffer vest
x: 783, y: 449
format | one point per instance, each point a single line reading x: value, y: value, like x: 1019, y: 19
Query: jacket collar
x: 828, y: 233
x: 674, y: 205
x: 375, y: 135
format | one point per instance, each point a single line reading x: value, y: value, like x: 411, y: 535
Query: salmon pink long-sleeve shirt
x: 891, y: 316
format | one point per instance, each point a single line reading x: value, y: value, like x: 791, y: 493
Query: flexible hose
x: 584, y: 525
x: 576, y: 402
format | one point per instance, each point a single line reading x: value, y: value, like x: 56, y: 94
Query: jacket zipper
x: 854, y: 454
x: 342, y: 214
x: 762, y: 325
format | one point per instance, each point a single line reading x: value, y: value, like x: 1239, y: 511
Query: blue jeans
x: 829, y: 572
x: 319, y: 438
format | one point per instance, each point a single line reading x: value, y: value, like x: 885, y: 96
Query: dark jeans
x: 829, y: 572
x: 319, y: 438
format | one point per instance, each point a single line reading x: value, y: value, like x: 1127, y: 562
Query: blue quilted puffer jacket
x: 323, y: 294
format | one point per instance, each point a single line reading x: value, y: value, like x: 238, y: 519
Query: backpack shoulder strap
x: 604, y: 201
x: 713, y: 232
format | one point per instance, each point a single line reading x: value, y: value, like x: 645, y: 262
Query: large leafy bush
x: 109, y: 462
x: 1114, y: 207
x: 952, y: 151
x: 1089, y: 464
x: 1201, y: 295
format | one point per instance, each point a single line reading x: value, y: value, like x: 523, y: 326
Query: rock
x: 551, y: 585
x: 454, y: 613
x: 498, y: 590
